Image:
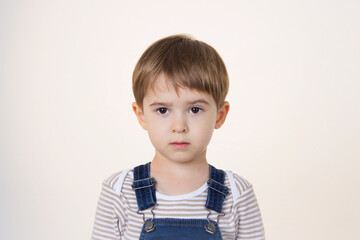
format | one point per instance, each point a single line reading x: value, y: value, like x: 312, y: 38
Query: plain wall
x: 66, y: 121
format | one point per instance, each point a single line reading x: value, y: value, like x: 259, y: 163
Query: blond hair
x: 185, y: 62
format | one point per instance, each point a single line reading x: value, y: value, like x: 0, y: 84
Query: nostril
x: 179, y: 130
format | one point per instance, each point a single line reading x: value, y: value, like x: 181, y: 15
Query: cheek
x: 156, y: 130
x: 204, y: 130
x: 157, y: 123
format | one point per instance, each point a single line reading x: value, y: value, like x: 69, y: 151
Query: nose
x: 179, y: 125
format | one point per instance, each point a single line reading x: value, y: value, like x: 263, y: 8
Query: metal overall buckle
x: 150, y: 225
x: 210, y: 227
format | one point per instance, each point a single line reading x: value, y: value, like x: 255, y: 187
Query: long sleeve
x: 250, y: 224
x: 110, y: 214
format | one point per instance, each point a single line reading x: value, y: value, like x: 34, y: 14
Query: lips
x: 180, y: 145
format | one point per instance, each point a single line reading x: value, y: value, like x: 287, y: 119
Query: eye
x: 195, y: 110
x: 162, y: 111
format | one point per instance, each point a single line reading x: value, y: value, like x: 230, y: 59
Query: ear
x: 139, y: 114
x: 221, y: 115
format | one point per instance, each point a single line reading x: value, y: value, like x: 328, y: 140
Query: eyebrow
x: 169, y: 104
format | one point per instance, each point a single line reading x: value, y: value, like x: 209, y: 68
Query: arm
x: 110, y: 214
x: 250, y: 224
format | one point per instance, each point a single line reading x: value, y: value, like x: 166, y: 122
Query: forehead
x: 163, y: 89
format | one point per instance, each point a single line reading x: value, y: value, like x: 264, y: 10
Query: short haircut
x: 185, y: 62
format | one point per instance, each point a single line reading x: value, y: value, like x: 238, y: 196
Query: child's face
x: 180, y: 125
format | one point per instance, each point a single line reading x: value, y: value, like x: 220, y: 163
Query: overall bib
x: 173, y: 228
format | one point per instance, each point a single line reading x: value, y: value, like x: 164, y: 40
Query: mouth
x: 180, y: 145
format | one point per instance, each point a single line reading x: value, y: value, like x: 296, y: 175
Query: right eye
x: 162, y: 111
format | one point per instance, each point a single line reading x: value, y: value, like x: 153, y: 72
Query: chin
x: 181, y: 156
x: 183, y: 159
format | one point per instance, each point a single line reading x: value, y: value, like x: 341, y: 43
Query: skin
x: 180, y: 127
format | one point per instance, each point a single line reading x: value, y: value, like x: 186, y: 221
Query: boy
x: 180, y: 85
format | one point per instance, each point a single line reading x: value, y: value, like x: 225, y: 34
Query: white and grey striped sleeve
x: 250, y: 224
x: 110, y: 212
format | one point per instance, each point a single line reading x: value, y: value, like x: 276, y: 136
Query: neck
x: 174, y: 178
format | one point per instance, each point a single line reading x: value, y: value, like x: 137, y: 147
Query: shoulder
x: 238, y: 184
x: 116, y: 180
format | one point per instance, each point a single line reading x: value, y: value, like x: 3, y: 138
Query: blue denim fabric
x: 144, y: 187
x: 176, y: 229
x: 173, y: 228
x: 216, y: 191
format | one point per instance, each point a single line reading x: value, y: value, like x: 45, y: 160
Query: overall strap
x: 144, y: 187
x: 216, y: 190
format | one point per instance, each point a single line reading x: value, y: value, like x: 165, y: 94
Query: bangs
x: 185, y: 62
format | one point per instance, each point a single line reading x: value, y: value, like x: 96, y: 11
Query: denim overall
x: 173, y: 228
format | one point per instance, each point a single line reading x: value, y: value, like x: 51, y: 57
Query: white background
x: 66, y: 121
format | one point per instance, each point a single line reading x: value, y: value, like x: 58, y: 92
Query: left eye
x: 195, y: 110
x: 162, y: 111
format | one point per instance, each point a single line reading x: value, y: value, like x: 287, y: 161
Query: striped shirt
x: 117, y: 217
